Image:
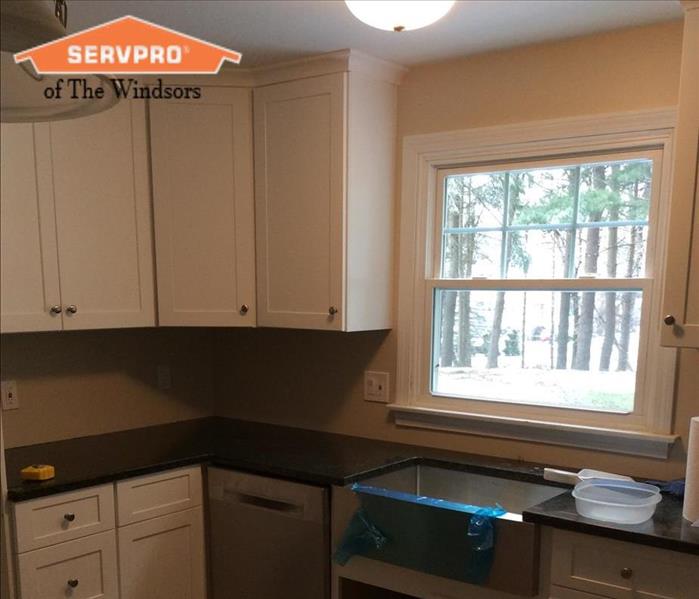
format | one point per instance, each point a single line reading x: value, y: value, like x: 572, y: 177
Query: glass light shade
x: 399, y: 15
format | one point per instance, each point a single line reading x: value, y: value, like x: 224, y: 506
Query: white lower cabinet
x: 597, y: 567
x: 66, y: 546
x: 80, y: 569
x: 163, y: 558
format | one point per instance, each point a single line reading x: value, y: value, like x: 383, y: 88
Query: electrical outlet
x: 376, y: 386
x: 10, y: 399
x: 164, y: 375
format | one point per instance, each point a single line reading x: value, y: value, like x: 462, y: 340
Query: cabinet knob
x: 626, y: 573
x: 332, y: 310
x: 72, y: 309
x: 69, y: 517
x: 55, y: 309
x: 669, y: 320
x: 73, y: 582
x: 244, y: 309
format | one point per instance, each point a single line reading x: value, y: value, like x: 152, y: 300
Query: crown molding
x: 340, y: 61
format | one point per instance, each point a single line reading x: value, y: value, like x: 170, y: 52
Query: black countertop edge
x: 35, y: 490
x: 611, y: 531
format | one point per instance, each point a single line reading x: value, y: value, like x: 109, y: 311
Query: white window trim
x: 423, y: 155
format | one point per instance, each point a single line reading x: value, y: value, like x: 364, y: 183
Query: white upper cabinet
x: 103, y: 219
x: 29, y: 269
x: 299, y: 161
x: 76, y: 201
x: 204, y: 208
x: 324, y: 169
x: 681, y: 301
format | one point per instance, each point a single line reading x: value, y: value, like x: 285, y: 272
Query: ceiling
x: 268, y: 31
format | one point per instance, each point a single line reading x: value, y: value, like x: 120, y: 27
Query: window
x: 539, y: 297
x: 532, y: 335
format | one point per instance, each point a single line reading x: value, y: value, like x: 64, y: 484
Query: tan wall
x: 83, y: 383
x: 314, y: 380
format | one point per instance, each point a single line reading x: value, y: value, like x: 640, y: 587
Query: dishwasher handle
x: 283, y: 498
x: 267, y: 503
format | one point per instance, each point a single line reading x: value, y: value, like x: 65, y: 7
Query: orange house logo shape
x: 128, y: 45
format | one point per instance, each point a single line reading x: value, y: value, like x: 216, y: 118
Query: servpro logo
x: 128, y: 45
x: 121, y: 55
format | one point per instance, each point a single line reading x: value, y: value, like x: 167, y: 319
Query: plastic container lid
x: 621, y: 493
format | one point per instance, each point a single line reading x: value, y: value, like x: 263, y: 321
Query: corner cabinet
x: 76, y: 223
x: 204, y: 211
x: 324, y: 167
x: 681, y: 299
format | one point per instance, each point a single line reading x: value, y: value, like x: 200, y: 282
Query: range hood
x: 25, y: 24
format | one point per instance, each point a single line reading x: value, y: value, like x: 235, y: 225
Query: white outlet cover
x: 376, y: 386
x: 10, y: 399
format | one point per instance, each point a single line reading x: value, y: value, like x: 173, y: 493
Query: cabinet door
x: 681, y: 301
x: 299, y: 200
x: 81, y: 569
x: 103, y: 218
x: 29, y: 267
x: 204, y: 208
x: 163, y: 558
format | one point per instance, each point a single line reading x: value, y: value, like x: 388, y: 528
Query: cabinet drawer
x: 80, y: 569
x: 621, y: 570
x: 155, y: 495
x: 63, y: 517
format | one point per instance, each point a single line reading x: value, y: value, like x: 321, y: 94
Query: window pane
x: 615, y: 191
x: 568, y: 221
x: 544, y: 196
x: 473, y: 200
x: 538, y: 347
x: 537, y: 254
x: 611, y: 252
x: 469, y: 255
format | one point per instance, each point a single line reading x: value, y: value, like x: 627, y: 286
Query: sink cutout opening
x: 463, y: 487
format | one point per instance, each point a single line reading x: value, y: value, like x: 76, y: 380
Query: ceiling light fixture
x: 399, y: 15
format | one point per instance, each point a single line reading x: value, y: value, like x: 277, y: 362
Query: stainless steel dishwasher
x: 269, y: 538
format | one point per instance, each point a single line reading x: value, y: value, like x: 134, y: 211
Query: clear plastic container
x: 621, y: 501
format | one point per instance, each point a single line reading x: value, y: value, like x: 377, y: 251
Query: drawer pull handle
x: 69, y: 517
x: 332, y: 310
x: 73, y: 582
x: 626, y: 573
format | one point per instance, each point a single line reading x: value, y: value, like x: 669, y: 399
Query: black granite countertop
x: 667, y: 528
x: 303, y: 455
x: 307, y: 456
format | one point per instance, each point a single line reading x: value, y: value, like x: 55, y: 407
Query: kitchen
x: 248, y: 280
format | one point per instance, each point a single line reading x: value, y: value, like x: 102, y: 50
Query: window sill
x: 612, y: 440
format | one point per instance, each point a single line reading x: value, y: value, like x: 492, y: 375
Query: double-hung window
x: 539, y: 298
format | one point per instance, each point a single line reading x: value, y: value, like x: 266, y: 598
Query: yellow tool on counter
x: 38, y: 472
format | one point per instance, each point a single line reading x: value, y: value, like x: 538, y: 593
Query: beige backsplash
x: 314, y: 380
x: 73, y: 384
